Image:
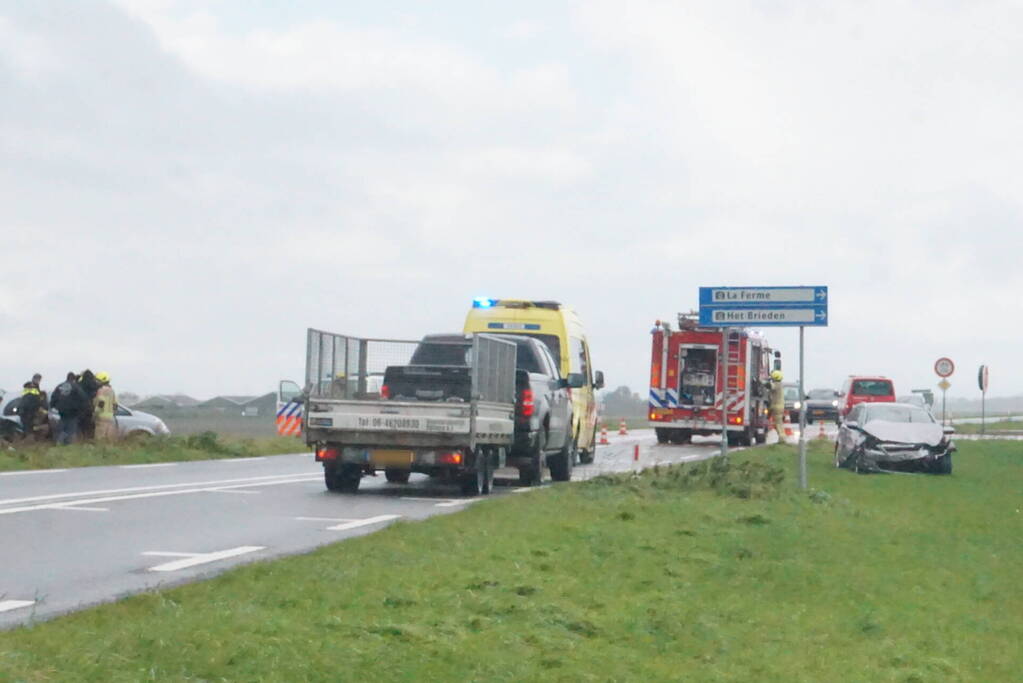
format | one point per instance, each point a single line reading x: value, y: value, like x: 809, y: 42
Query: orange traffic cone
x: 788, y: 426
x: 821, y: 434
x: 603, y: 436
x: 622, y: 431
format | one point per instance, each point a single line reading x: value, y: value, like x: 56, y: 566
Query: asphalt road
x: 77, y: 537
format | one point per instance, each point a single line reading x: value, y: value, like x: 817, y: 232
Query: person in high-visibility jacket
x: 104, y: 407
x: 778, y: 404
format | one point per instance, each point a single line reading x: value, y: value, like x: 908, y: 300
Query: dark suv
x: 543, y: 406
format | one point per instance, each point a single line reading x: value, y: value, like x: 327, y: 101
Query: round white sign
x: 944, y: 367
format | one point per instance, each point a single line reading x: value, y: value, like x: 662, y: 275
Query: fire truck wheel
x: 746, y: 438
x: 682, y: 436
x: 761, y: 437
x: 662, y: 434
x: 397, y: 476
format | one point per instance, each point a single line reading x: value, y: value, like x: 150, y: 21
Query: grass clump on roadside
x: 715, y: 571
x: 202, y: 446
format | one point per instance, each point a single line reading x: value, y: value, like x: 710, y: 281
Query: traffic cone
x: 603, y: 436
x: 622, y: 431
x: 788, y: 426
x: 821, y: 434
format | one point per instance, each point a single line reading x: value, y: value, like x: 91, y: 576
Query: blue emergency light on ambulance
x: 483, y: 302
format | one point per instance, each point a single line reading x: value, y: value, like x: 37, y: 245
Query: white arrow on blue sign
x: 764, y: 306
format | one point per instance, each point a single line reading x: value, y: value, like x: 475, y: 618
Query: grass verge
x: 203, y: 446
x: 720, y: 571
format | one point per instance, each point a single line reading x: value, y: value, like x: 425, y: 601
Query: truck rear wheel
x: 561, y: 464
x: 532, y: 474
x: 397, y: 476
x: 662, y: 434
x: 343, y: 478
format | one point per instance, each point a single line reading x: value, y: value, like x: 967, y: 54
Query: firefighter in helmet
x: 778, y: 404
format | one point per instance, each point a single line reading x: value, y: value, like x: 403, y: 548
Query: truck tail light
x: 526, y: 405
x: 450, y: 458
x: 327, y: 454
x: 385, y: 391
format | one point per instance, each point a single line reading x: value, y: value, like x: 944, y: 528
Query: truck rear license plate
x: 390, y: 458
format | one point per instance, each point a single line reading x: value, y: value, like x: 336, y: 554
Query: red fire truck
x: 686, y: 382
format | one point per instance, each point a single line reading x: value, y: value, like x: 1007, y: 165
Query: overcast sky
x: 186, y: 186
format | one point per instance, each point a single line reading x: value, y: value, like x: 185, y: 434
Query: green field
x: 722, y: 571
x: 991, y: 427
x: 201, y: 446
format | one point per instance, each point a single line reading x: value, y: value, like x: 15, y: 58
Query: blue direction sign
x: 764, y: 306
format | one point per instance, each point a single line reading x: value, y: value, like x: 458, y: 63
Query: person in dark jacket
x: 28, y: 409
x: 71, y: 403
x: 90, y: 385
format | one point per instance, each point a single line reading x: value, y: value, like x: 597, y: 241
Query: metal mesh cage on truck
x: 344, y: 367
x: 493, y: 368
x: 339, y: 366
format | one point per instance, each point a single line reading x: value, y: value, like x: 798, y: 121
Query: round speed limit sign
x: 944, y: 367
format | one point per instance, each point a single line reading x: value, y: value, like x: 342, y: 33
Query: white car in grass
x: 130, y: 423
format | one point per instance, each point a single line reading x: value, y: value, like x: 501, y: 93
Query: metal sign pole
x: 724, y: 391
x: 802, y: 416
x: 983, y: 411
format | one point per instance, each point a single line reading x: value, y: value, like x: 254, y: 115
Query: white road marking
x: 228, y: 490
x: 456, y: 502
x: 21, y: 472
x: 258, y: 457
x: 154, y: 464
x: 156, y: 487
x: 83, y: 509
x: 8, y: 605
x: 153, y: 494
x: 201, y: 558
x: 523, y: 489
x: 356, y: 523
x: 325, y: 519
x: 443, y: 502
x: 161, y: 553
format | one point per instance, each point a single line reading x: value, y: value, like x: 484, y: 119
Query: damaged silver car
x: 893, y: 437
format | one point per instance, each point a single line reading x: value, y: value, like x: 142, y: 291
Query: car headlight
x: 161, y: 427
x: 834, y: 404
x: 797, y: 405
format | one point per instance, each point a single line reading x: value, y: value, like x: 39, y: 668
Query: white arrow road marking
x: 194, y: 559
x: 8, y: 605
x: 20, y: 472
x: 356, y: 523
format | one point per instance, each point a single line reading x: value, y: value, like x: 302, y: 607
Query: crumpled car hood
x: 906, y: 432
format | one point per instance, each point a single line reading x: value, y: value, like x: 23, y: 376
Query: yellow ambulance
x: 560, y: 329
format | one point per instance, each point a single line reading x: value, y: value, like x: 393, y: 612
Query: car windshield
x: 821, y: 394
x: 791, y: 393
x: 872, y: 387
x: 888, y: 412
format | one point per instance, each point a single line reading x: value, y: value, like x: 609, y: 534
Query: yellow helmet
x: 103, y: 377
x: 339, y: 375
x: 776, y: 375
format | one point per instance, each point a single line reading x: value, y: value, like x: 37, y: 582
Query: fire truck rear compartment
x: 697, y: 371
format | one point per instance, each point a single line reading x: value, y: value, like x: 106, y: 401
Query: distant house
x: 245, y: 406
x: 166, y: 402
x: 225, y: 404
x: 261, y: 406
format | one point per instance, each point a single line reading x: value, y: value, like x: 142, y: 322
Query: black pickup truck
x: 438, y: 371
